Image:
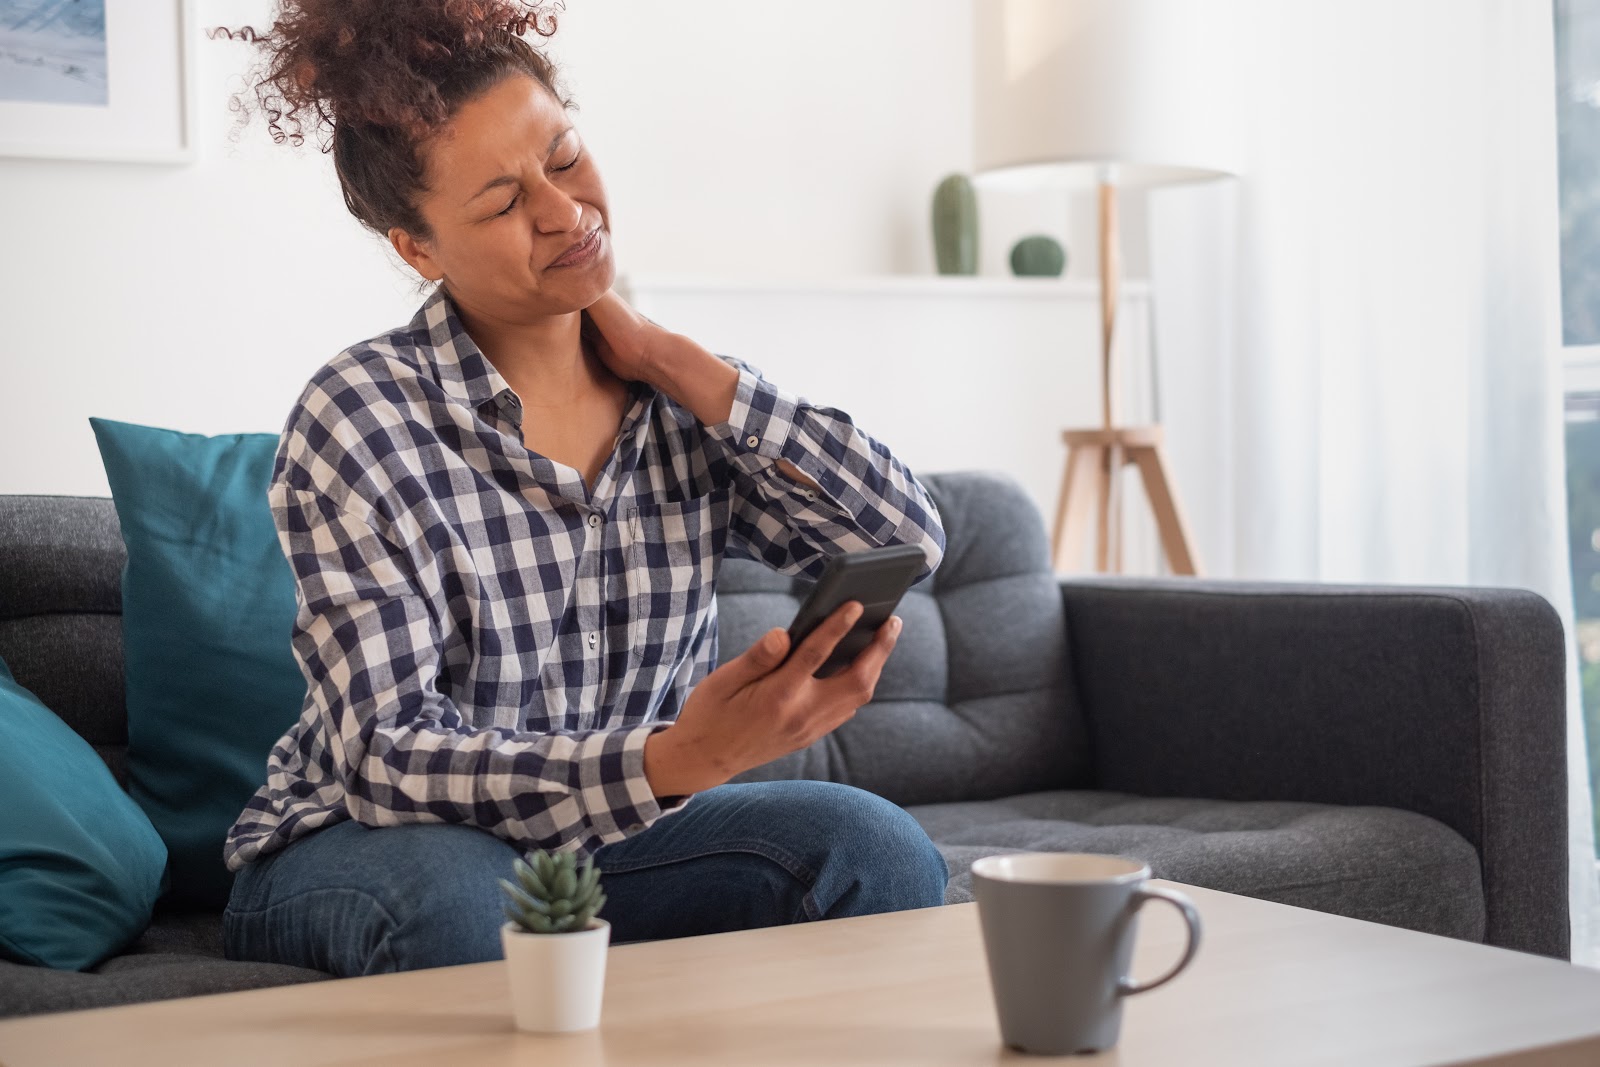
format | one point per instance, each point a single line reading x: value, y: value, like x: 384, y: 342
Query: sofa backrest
x: 976, y: 701
x: 61, y: 563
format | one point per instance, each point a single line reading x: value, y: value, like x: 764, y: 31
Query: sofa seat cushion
x: 179, y: 955
x: 187, y: 933
x: 136, y: 977
x: 1379, y: 864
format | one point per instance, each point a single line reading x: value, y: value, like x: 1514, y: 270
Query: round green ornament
x: 1038, y: 256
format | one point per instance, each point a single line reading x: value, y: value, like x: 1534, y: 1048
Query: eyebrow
x: 507, y: 179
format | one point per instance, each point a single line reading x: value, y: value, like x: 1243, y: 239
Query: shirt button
x: 810, y: 494
x: 594, y: 520
x: 594, y: 640
x: 752, y: 440
x: 636, y: 827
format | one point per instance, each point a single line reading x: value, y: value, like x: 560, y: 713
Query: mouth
x: 580, y: 252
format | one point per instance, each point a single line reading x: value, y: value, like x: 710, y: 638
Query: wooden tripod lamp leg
x: 1116, y: 459
x: 1104, y: 478
x: 1079, y: 491
x: 1169, y: 518
x: 1059, y: 558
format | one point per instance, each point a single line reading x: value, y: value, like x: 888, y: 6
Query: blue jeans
x: 353, y: 900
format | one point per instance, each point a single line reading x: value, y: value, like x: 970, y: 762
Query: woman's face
x: 511, y: 187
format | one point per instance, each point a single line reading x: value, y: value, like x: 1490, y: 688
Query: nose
x: 555, y: 211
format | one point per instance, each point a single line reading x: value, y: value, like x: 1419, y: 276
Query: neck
x: 544, y: 359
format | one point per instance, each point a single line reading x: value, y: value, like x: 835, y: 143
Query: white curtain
x: 1359, y: 338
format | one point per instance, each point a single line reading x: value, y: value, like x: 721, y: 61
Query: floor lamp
x: 1109, y: 94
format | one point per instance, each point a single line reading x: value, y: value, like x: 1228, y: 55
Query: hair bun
x: 378, y: 62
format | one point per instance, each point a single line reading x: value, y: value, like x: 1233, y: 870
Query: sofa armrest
x: 1446, y: 701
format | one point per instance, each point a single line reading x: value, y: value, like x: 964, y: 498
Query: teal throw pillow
x: 208, y: 610
x: 80, y: 865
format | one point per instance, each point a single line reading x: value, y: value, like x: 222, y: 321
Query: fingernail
x: 896, y: 624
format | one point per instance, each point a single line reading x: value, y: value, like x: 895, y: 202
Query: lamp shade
x: 1065, y: 88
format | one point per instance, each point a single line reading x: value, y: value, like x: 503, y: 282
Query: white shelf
x: 908, y: 285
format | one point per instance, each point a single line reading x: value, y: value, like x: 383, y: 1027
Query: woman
x: 505, y: 519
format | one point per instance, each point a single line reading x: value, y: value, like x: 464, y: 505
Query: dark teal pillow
x: 80, y: 865
x: 207, y: 618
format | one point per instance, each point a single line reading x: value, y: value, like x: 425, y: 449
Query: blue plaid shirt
x: 485, y: 640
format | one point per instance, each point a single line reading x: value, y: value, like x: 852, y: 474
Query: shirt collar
x: 464, y: 371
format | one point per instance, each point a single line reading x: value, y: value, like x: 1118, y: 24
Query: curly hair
x: 374, y: 79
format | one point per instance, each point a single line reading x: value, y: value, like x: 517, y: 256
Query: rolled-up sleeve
x: 369, y: 647
x: 866, y: 497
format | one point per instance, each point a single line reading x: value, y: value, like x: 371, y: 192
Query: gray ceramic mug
x: 1058, y: 930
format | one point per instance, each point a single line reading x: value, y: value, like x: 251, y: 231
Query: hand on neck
x: 544, y: 358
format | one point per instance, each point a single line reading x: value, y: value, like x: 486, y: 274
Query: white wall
x: 741, y: 139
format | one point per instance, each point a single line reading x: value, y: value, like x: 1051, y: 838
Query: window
x: 1583, y: 519
x: 1577, y: 39
x: 1578, y: 139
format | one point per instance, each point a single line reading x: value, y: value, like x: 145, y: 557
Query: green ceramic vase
x: 955, y: 226
x: 1038, y: 256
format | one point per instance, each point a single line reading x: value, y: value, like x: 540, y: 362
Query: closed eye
x: 507, y: 209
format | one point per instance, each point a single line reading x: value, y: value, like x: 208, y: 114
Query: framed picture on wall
x: 97, y: 79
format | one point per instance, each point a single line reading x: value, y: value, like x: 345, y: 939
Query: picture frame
x: 141, y: 64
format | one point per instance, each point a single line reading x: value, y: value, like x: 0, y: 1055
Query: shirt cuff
x: 616, y: 794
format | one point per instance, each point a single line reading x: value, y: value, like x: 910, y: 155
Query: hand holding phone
x: 764, y: 703
x: 877, y: 578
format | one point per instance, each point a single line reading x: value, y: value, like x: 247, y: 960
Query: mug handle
x: 1127, y: 986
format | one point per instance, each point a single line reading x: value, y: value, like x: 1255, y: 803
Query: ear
x: 416, y: 254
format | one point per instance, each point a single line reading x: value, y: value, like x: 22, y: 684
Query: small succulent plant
x: 556, y: 895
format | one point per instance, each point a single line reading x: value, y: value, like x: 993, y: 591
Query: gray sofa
x: 1392, y: 754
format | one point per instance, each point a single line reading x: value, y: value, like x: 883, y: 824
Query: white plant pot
x: 557, y: 980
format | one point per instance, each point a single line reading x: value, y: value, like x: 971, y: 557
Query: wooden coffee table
x: 1272, y: 985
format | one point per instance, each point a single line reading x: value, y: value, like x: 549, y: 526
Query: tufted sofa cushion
x: 1378, y: 864
x: 977, y: 699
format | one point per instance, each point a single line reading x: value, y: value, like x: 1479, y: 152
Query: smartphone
x: 877, y: 577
